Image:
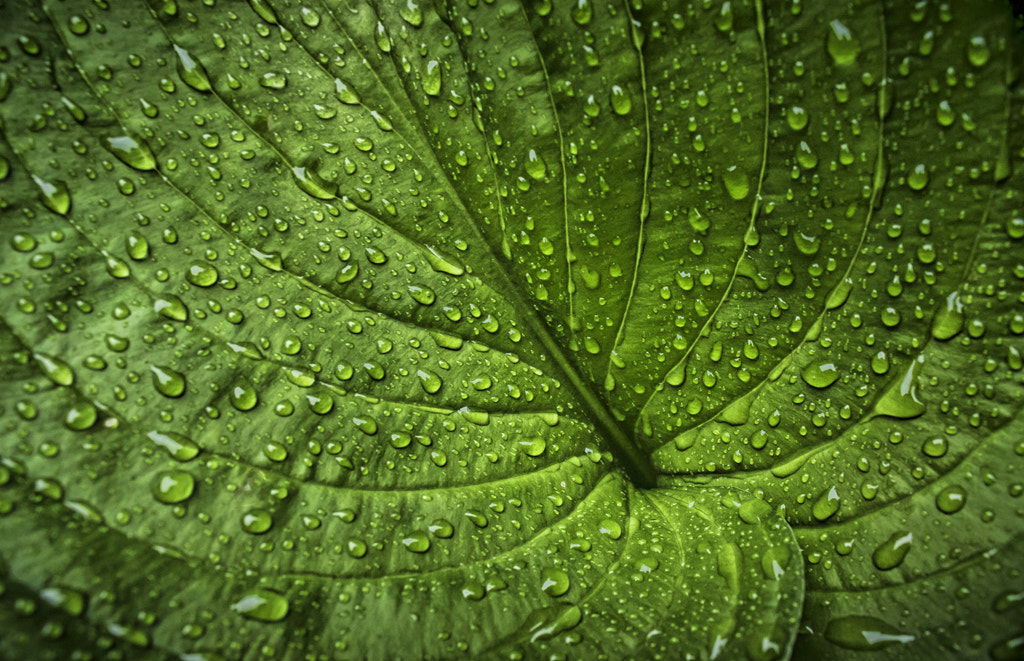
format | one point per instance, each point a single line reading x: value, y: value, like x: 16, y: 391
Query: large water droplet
x: 432, y: 77
x: 54, y: 195
x: 178, y: 446
x: 737, y: 184
x: 949, y: 320
x: 55, y: 369
x: 168, y: 382
x: 263, y: 605
x: 621, y: 103
x: 131, y: 151
x: 841, y: 45
x: 820, y: 374
x: 192, y: 71
x: 172, y: 487
x: 554, y: 582
x: 900, y: 400
x: 861, y: 632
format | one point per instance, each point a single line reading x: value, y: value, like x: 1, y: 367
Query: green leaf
x: 511, y: 330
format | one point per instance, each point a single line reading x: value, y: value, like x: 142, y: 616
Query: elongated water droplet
x: 168, y: 382
x: 535, y: 165
x: 432, y: 77
x: 440, y: 263
x: 263, y: 605
x: 949, y: 320
x: 131, y: 151
x: 864, y: 633
x: 54, y: 195
x: 179, y: 447
x: 582, y: 11
x: 826, y: 505
x: 621, y: 103
x: 546, y: 623
x: 55, y: 369
x: 344, y: 92
x: 891, y: 553
x: 192, y: 71
x: 311, y: 183
x: 841, y: 45
x: 737, y: 184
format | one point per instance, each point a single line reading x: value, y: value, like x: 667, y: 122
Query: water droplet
x: 611, y: 528
x: 192, y: 71
x: 918, y: 178
x: 429, y: 381
x: 131, y: 151
x: 944, y: 114
x: 257, y: 521
x: 264, y: 11
x: 273, y: 80
x: 554, y: 582
x: 535, y: 166
x: 244, y: 396
x: 891, y: 553
x: 737, y: 184
x: 382, y: 38
x: 820, y: 374
x: 81, y: 416
x: 432, y: 77
x: 168, y: 382
x: 951, y: 499
x: 54, y: 195
x: 263, y: 605
x: 863, y: 633
x: 797, y: 118
x: 582, y: 11
x: 311, y: 183
x: 949, y: 320
x: 55, y: 369
x: 70, y: 601
x: 137, y: 245
x: 172, y: 487
x: 841, y: 44
x: 978, y: 51
x: 170, y: 306
x: 178, y: 446
x: 546, y: 623
x: 621, y: 103
x: 826, y: 504
x: 441, y: 528
x: 417, y: 542
x: 533, y: 447
x: 202, y: 274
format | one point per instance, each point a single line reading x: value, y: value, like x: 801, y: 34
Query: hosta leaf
x: 510, y: 329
